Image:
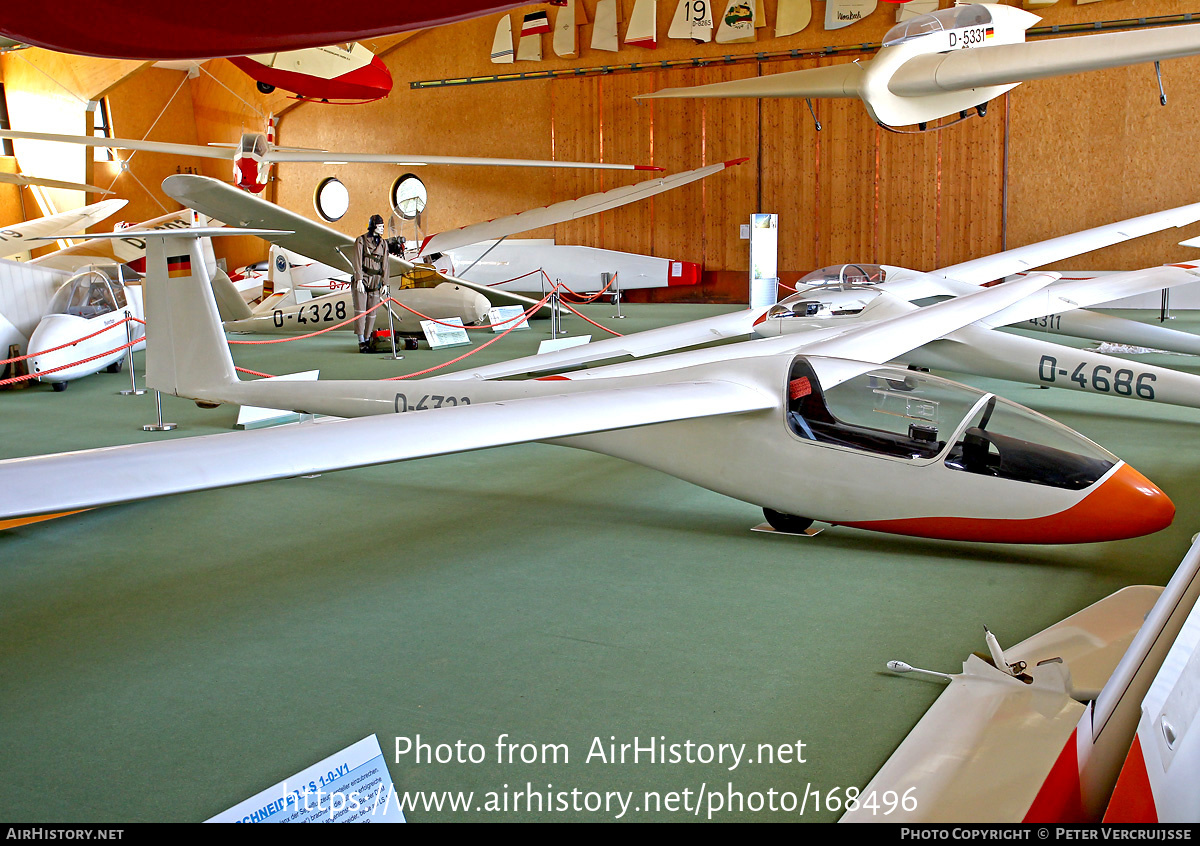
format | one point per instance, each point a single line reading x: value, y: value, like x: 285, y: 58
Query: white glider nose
x: 65, y: 331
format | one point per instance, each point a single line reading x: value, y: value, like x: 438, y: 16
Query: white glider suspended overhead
x: 953, y: 60
x: 253, y: 156
x: 788, y: 423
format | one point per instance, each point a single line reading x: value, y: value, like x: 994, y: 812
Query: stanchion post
x: 134, y: 390
x: 616, y: 280
x: 387, y: 302
x: 556, y: 328
x: 1164, y: 313
x: 160, y: 426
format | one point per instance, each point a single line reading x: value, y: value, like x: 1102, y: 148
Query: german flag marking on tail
x: 179, y: 266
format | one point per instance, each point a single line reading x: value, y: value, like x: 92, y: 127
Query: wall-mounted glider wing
x: 70, y: 481
x: 591, y: 204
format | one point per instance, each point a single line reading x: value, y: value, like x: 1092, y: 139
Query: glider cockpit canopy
x: 813, y: 292
x: 253, y: 144
x: 956, y: 17
x: 843, y: 276
x: 92, y: 292
x: 918, y: 417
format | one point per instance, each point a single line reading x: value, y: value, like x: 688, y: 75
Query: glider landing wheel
x: 58, y: 387
x: 789, y: 523
x: 264, y: 88
x: 116, y: 366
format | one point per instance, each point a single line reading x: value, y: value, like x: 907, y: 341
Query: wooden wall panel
x: 628, y: 136
x: 971, y: 195
x: 160, y: 104
x: 12, y: 203
x: 790, y: 149
x: 908, y: 194
x: 678, y: 229
x: 846, y: 180
x: 226, y: 104
x: 576, y: 114
x: 1082, y: 155
x: 730, y: 132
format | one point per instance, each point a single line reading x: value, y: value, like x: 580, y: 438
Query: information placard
x: 503, y: 318
x: 445, y: 333
x: 353, y: 785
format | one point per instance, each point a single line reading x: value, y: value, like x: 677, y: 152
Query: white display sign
x: 764, y: 260
x: 563, y: 343
x: 503, y: 318
x: 439, y: 334
x: 252, y: 417
x: 353, y: 785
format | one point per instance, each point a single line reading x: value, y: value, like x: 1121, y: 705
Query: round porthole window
x: 331, y: 199
x: 408, y: 196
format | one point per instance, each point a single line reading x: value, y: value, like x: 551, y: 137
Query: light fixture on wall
x: 331, y: 199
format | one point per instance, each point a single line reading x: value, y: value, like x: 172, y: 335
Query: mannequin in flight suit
x: 371, y: 250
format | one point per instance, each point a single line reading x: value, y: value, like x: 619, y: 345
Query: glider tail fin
x: 186, y: 351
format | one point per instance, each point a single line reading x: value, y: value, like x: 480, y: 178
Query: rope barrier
x: 66, y: 366
x: 253, y: 372
x: 589, y: 320
x: 121, y: 322
x: 515, y: 320
x: 470, y: 352
x: 515, y: 278
x: 583, y: 298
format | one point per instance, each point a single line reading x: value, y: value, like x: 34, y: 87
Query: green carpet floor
x: 164, y: 660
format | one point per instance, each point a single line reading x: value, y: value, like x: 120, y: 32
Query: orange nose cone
x: 1125, y: 505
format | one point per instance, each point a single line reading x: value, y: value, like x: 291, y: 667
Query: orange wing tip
x: 733, y: 162
x: 647, y: 167
x: 25, y: 521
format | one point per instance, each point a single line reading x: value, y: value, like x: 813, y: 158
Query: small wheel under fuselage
x: 789, y: 523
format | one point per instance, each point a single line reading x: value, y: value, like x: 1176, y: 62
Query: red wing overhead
x: 150, y: 29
